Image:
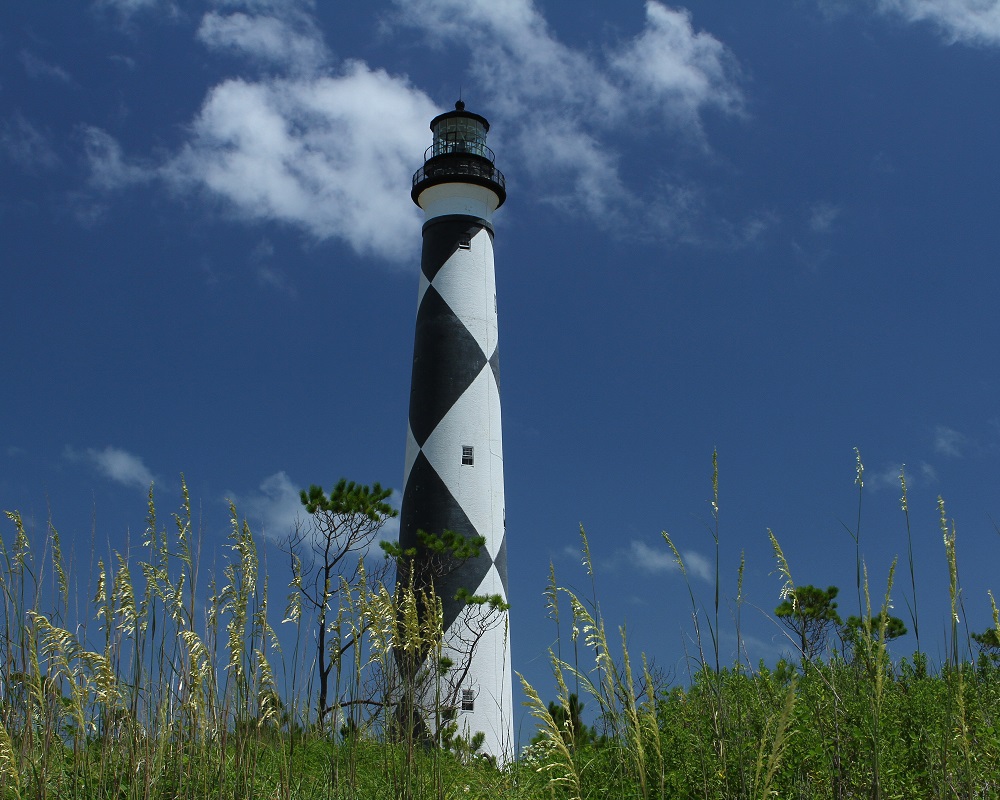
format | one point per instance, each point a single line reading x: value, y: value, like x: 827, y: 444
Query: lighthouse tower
x: 453, y: 478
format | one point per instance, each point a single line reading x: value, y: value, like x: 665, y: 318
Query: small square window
x: 467, y: 459
x: 468, y: 700
x: 465, y: 244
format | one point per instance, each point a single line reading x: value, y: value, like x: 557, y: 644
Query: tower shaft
x: 453, y: 479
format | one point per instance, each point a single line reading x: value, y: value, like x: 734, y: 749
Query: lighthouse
x: 453, y: 476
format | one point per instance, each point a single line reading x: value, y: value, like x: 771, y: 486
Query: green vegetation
x: 166, y: 687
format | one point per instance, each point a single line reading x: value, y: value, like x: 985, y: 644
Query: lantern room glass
x: 460, y: 135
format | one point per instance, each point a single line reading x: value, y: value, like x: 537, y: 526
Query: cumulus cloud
x: 948, y: 441
x: 967, y: 21
x: 332, y: 155
x: 117, y: 464
x: 330, y: 149
x: 660, y: 560
x: 679, y: 70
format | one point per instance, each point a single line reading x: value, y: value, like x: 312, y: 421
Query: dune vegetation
x: 167, y: 681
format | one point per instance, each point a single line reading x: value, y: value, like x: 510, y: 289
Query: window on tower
x: 468, y: 700
x: 467, y: 457
x: 465, y: 244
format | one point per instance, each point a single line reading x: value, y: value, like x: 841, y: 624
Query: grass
x: 168, y: 686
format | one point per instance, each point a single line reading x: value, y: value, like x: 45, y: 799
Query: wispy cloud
x: 116, y: 464
x: 38, y: 68
x: 109, y: 168
x: 125, y: 9
x: 582, y: 106
x: 967, y: 21
x: 887, y: 477
x: 949, y: 442
x: 274, y: 509
x: 292, y: 43
x: 269, y: 275
x: 822, y: 216
x: 25, y: 145
x: 660, y: 560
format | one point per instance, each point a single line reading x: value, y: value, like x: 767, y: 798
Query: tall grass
x: 848, y: 722
x: 183, y: 690
x: 173, y: 682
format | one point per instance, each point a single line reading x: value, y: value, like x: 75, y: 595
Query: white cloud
x: 126, y: 8
x: 294, y: 44
x: 328, y: 151
x: 327, y: 154
x: 274, y: 278
x: 37, y: 68
x: 661, y: 559
x: 680, y: 70
x: 269, y: 275
x: 583, y: 107
x: 885, y: 478
x: 967, y: 21
x: 117, y: 464
x: 948, y: 441
x: 390, y: 531
x: 330, y: 154
x: 888, y: 476
x: 25, y: 145
x: 108, y: 167
x: 582, y: 175
x: 274, y: 509
x: 822, y: 216
x: 698, y: 565
x: 652, y: 559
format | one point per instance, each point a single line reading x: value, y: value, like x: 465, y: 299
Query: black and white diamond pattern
x: 455, y: 402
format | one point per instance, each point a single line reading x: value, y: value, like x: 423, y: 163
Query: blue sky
x: 764, y: 228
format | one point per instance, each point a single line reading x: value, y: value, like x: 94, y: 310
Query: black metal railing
x: 473, y: 166
x: 453, y: 144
